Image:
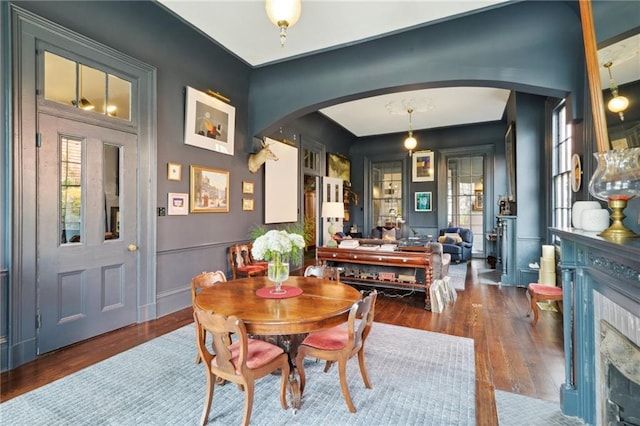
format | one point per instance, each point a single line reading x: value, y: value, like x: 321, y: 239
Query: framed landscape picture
x: 209, y: 122
x: 423, y: 167
x: 423, y: 201
x: 209, y: 190
x: 338, y: 167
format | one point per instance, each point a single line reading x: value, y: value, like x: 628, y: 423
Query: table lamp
x: 331, y: 211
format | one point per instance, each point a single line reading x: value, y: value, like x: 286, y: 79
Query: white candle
x: 548, y: 252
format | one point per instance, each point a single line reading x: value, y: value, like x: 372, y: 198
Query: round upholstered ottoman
x: 543, y: 292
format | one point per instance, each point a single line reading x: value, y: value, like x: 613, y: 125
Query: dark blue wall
x: 533, y: 47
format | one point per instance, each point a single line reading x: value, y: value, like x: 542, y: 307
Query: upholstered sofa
x: 457, y: 242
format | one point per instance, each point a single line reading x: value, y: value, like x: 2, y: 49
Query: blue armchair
x: 457, y: 242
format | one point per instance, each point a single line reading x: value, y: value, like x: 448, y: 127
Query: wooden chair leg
x: 363, y: 369
x: 284, y: 372
x: 207, y: 399
x: 534, y: 307
x: 342, y: 368
x: 248, y: 402
x: 300, y: 366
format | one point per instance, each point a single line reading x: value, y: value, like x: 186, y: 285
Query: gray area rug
x: 418, y: 377
x: 514, y: 408
x: 458, y: 274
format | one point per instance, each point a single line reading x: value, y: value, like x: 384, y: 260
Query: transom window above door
x: 90, y: 89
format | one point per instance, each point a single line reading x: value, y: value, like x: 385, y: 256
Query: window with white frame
x: 561, y: 167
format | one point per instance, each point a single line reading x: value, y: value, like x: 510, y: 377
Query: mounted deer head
x: 258, y: 159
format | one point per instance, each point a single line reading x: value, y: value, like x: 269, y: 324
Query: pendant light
x: 410, y: 142
x: 617, y: 103
x: 283, y: 14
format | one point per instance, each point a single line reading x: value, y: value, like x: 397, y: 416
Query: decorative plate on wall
x: 576, y: 173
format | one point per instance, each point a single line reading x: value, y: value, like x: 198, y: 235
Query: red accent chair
x: 340, y: 344
x: 243, y: 264
x: 543, y: 292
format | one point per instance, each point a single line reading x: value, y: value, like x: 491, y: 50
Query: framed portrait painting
x: 423, y: 201
x: 423, y: 167
x: 209, y: 122
x: 209, y: 190
x: 478, y: 200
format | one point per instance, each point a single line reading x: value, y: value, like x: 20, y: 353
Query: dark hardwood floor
x: 510, y: 354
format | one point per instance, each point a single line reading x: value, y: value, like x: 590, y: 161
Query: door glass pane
x: 71, y: 190
x: 119, y: 104
x: 92, y: 90
x: 465, y: 196
x: 59, y: 79
x: 111, y: 182
x: 386, y: 197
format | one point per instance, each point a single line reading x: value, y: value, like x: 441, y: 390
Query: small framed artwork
x: 478, y: 200
x: 174, y: 171
x: 209, y: 190
x: 178, y: 204
x: 247, y: 204
x: 423, y: 167
x: 339, y: 167
x: 247, y: 187
x: 423, y: 201
x: 209, y: 122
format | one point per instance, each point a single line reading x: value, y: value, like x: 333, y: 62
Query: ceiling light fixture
x: 617, y: 103
x: 284, y: 14
x: 410, y: 142
x: 84, y: 104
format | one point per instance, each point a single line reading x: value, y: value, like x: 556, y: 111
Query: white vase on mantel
x: 578, y: 208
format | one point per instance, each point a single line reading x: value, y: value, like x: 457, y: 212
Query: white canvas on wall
x: 281, y: 184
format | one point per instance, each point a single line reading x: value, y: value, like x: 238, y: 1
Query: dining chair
x: 204, y: 280
x: 323, y: 271
x: 243, y: 264
x: 241, y: 362
x: 339, y: 344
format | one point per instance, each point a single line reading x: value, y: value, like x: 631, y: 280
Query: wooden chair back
x: 205, y: 279
x: 323, y: 271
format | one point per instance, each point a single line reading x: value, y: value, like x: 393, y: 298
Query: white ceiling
x: 242, y: 27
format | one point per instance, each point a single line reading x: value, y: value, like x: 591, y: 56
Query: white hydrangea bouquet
x: 277, y: 247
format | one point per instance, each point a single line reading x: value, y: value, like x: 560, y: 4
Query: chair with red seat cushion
x: 241, y: 362
x: 242, y: 262
x: 543, y: 292
x: 340, y: 344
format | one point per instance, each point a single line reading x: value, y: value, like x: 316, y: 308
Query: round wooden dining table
x: 284, y: 321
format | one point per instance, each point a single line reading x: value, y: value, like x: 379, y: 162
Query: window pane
x: 111, y: 182
x: 59, y: 79
x: 71, y: 190
x: 92, y: 89
x: 119, y: 98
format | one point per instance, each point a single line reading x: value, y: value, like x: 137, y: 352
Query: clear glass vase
x: 616, y: 181
x: 278, y: 272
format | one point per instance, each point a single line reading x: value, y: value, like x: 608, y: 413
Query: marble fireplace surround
x: 617, y: 337
x: 601, y: 282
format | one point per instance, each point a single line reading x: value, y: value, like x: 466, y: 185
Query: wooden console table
x: 378, y: 268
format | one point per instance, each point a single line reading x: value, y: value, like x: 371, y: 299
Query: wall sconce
x: 283, y: 14
x: 332, y: 211
x: 617, y: 103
